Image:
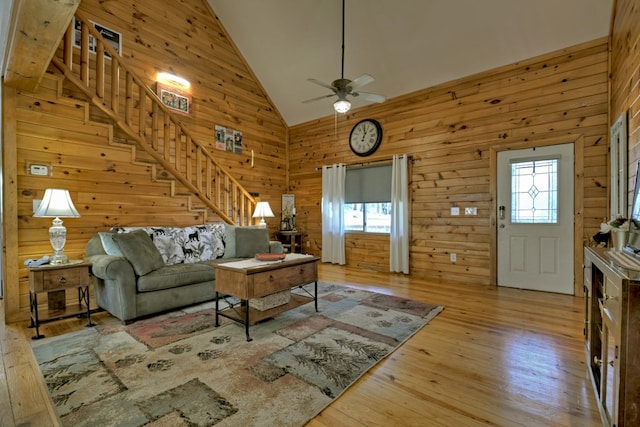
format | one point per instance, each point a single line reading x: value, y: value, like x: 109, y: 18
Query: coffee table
x: 251, y: 278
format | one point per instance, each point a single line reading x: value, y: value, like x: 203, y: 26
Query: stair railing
x: 138, y: 111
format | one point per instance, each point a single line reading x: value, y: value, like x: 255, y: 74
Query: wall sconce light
x: 172, y: 80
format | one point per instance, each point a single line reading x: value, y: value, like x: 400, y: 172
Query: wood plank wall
x: 450, y: 130
x: 109, y: 183
x: 625, y: 77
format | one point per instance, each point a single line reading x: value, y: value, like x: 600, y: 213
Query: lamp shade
x: 263, y: 210
x: 341, y: 106
x: 56, y: 203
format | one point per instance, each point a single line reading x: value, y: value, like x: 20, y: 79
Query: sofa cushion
x: 138, y: 248
x: 109, y: 245
x: 251, y: 241
x: 172, y: 276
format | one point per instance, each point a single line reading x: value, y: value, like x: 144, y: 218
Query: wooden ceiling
x: 406, y: 45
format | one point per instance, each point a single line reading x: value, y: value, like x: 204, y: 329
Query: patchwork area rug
x: 178, y: 369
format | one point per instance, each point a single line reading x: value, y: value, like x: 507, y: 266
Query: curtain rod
x: 372, y: 162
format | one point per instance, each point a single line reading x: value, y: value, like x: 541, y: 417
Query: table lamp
x: 263, y: 209
x: 57, y: 204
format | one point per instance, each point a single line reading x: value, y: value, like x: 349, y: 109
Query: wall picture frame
x: 619, y: 169
x: 288, y: 212
x: 174, y: 99
x: 112, y: 37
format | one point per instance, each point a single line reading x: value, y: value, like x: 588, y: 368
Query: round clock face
x: 365, y: 137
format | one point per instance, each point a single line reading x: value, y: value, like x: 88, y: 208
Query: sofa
x: 140, y: 271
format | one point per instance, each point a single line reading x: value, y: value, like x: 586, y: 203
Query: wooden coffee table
x: 255, y: 279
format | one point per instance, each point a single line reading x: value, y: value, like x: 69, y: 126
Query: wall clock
x: 365, y: 137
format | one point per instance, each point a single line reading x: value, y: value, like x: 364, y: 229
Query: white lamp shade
x: 342, y: 106
x: 56, y: 203
x: 263, y: 210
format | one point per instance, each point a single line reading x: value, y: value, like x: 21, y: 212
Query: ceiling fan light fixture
x: 341, y: 106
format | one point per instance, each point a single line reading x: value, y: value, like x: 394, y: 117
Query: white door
x: 535, y: 218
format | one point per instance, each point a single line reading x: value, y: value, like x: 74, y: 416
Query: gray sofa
x: 139, y: 271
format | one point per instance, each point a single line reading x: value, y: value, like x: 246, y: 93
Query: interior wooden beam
x: 36, y: 31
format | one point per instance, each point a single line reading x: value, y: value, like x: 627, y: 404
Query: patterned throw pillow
x: 185, y: 244
x: 202, y: 242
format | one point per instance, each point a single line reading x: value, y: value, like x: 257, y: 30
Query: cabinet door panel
x: 610, y: 373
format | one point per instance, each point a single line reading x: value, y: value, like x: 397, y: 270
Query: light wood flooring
x: 494, y: 356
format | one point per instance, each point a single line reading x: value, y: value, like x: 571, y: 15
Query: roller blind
x: 369, y: 184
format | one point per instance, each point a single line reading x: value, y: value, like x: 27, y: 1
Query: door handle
x: 501, y: 225
x: 501, y: 212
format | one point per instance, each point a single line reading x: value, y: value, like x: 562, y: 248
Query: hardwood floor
x: 494, y: 356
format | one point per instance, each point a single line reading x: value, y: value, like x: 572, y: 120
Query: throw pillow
x: 202, y: 242
x: 229, y: 241
x: 139, y: 249
x: 251, y: 241
x: 108, y: 244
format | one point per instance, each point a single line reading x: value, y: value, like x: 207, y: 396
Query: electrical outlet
x: 308, y: 244
x: 453, y: 257
x: 455, y: 211
x: 471, y: 211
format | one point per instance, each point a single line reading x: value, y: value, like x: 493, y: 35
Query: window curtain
x: 333, y: 184
x: 399, y: 236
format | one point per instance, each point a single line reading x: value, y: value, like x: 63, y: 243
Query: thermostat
x: 36, y: 169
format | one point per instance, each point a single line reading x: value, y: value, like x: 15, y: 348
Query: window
x: 367, y: 204
x: 534, y: 192
x: 368, y: 217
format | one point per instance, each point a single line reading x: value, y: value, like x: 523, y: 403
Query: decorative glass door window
x: 534, y: 192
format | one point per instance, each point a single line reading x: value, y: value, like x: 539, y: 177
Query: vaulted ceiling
x: 406, y: 45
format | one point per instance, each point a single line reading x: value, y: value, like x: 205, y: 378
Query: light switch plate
x: 471, y: 211
x: 455, y: 211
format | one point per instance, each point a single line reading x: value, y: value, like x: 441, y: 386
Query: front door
x: 535, y: 218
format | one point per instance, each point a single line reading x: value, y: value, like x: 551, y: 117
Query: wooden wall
x: 625, y: 76
x: 111, y: 183
x: 451, y: 130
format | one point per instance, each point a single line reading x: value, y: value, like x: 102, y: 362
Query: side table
x: 55, y: 280
x: 291, y: 240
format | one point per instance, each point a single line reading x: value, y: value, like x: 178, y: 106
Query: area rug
x: 178, y: 369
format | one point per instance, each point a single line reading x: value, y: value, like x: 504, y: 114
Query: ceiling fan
x: 343, y: 88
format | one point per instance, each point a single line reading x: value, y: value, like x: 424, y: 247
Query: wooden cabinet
x: 612, y: 336
x: 291, y: 241
x: 55, y: 280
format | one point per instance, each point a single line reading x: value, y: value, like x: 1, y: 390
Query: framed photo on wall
x: 112, y: 37
x: 288, y: 212
x: 229, y: 140
x: 176, y: 100
x: 618, y: 145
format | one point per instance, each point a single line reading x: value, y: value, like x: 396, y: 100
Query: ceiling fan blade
x: 370, y: 96
x: 318, y: 98
x: 318, y: 82
x: 360, y: 81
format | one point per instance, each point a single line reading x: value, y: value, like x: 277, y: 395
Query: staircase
x: 142, y: 118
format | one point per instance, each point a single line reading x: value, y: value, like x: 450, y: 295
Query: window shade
x: 370, y: 184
